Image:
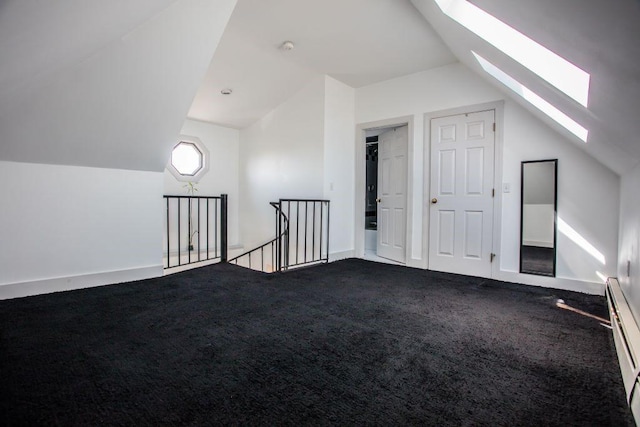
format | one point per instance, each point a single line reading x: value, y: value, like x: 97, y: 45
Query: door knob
x: 378, y: 200
x: 434, y: 201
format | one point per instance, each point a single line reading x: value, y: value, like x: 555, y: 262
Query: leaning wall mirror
x: 538, y: 217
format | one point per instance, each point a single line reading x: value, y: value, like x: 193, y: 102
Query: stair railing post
x: 328, y: 210
x: 278, y: 241
x: 286, y: 236
x: 223, y: 228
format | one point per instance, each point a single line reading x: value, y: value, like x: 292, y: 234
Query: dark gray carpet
x: 347, y: 343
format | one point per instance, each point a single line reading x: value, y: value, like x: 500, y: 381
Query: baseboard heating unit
x: 626, y: 335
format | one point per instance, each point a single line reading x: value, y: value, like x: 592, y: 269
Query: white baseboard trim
x: 626, y: 336
x: 537, y: 243
x: 593, y: 288
x: 416, y: 263
x: 59, y: 284
x: 336, y: 256
x: 184, y: 267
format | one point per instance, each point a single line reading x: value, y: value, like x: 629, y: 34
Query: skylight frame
x: 549, y: 66
x: 533, y: 98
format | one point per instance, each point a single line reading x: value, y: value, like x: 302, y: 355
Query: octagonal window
x: 186, y: 158
x: 189, y: 159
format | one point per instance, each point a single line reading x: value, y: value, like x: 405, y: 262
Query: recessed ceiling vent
x: 287, y: 45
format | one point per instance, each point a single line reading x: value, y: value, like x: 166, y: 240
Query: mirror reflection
x: 538, y: 220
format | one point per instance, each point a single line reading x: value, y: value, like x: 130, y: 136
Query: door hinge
x: 492, y: 257
x: 493, y: 192
x: 494, y: 127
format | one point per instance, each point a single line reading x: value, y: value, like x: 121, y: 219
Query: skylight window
x: 549, y: 66
x: 537, y: 101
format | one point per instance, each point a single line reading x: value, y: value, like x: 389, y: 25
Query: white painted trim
x: 417, y: 262
x: 498, y: 107
x: 59, y: 284
x: 206, y: 160
x: 184, y: 267
x: 360, y: 181
x: 375, y: 258
x: 497, y: 184
x: 410, y: 206
x: 193, y: 119
x: 359, y: 190
x: 593, y: 288
x: 537, y: 243
x: 626, y: 336
x: 337, y: 256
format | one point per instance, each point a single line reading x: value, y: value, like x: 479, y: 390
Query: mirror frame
x: 555, y: 213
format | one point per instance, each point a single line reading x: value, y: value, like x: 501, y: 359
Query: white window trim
x: 205, y: 160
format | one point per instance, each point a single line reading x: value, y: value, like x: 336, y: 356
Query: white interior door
x: 461, y: 205
x: 392, y: 194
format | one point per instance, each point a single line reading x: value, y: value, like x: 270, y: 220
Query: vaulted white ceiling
x: 37, y: 39
x: 358, y: 42
x: 102, y: 83
x: 599, y: 37
x: 108, y: 84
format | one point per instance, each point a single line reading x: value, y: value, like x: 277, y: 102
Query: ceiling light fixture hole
x: 287, y: 45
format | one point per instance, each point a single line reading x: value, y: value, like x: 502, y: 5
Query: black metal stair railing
x: 272, y: 261
x: 302, y: 237
x: 307, y: 241
x: 195, y: 229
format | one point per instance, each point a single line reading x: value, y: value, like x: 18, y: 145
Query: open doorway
x: 385, y: 213
x: 371, y: 182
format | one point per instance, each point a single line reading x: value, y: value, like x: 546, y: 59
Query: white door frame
x: 498, y: 106
x: 360, y: 180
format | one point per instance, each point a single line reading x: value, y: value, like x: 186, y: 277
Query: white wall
x: 587, y: 239
x: 539, y: 183
x: 114, y: 110
x: 629, y: 256
x: 414, y: 95
x: 223, y: 145
x: 66, y: 227
x: 121, y: 105
x: 302, y: 149
x: 586, y: 189
x: 537, y: 225
x: 339, y: 158
x: 281, y: 156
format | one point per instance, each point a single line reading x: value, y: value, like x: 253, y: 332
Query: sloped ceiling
x: 104, y: 84
x: 39, y: 38
x: 357, y: 42
x: 109, y: 83
x: 597, y: 36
